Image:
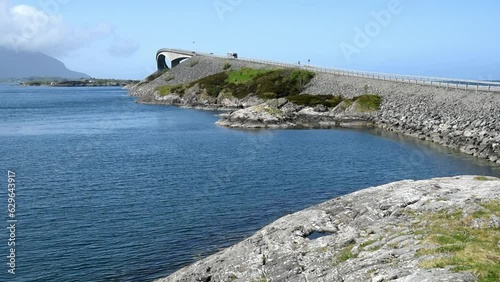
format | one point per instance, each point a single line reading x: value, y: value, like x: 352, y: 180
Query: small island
x: 91, y: 82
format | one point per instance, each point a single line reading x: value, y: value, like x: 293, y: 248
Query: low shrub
x: 214, y: 84
x: 314, y: 100
x: 171, y: 89
x: 369, y: 103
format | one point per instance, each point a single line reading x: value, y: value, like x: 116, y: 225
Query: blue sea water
x: 111, y: 190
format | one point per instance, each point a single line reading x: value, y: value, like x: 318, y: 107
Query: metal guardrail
x: 448, y: 83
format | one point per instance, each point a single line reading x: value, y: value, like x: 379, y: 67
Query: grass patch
x: 323, y: 249
x: 301, y: 77
x: 214, y: 84
x: 367, y: 243
x: 493, y: 207
x: 464, y: 248
x: 347, y: 254
x: 283, y: 83
x: 368, y: 103
x: 483, y: 178
x: 244, y: 75
x: 347, y: 103
x: 273, y: 111
x: 171, y: 89
x: 226, y: 66
x: 314, y: 100
x: 266, y: 84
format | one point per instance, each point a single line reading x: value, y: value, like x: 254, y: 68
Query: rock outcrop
x: 383, y: 233
x: 280, y: 113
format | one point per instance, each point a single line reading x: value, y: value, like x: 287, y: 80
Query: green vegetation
x: 244, y: 75
x: 301, y: 77
x: 226, y: 66
x: 282, y: 82
x: 369, y: 103
x: 461, y: 247
x: 347, y: 103
x: 365, y: 103
x: 214, y: 84
x: 270, y: 84
x: 483, y: 178
x: 261, y: 279
x: 266, y: 84
x: 314, y: 100
x: 171, y: 89
x: 346, y: 253
x: 269, y: 110
x: 367, y: 243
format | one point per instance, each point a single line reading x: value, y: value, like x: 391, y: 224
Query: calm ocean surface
x: 110, y: 190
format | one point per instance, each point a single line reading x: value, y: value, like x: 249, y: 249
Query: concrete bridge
x: 176, y: 56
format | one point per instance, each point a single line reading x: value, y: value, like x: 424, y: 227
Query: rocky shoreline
x: 281, y: 114
x: 464, y: 120
x: 391, y: 232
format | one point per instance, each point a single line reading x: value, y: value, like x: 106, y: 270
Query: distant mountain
x: 32, y: 64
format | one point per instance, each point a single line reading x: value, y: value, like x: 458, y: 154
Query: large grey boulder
x: 368, y: 235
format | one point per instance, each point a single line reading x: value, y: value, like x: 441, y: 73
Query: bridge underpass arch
x: 177, y: 61
x: 161, y: 62
x: 169, y: 59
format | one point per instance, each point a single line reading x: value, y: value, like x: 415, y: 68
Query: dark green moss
x: 266, y: 84
x: 171, y: 89
x: 283, y: 83
x: 244, y: 75
x: 214, y: 84
x: 314, y: 100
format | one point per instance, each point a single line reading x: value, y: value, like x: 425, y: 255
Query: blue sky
x: 120, y: 38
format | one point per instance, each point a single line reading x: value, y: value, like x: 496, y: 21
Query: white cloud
x: 27, y: 28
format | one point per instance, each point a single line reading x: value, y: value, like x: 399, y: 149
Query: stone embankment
x: 465, y: 120
x: 404, y: 231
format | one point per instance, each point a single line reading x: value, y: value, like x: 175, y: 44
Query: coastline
x: 463, y: 120
x: 376, y: 234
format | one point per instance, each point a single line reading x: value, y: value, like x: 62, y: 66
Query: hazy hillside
x: 27, y: 64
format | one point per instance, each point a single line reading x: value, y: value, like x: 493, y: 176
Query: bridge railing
x: 448, y: 83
